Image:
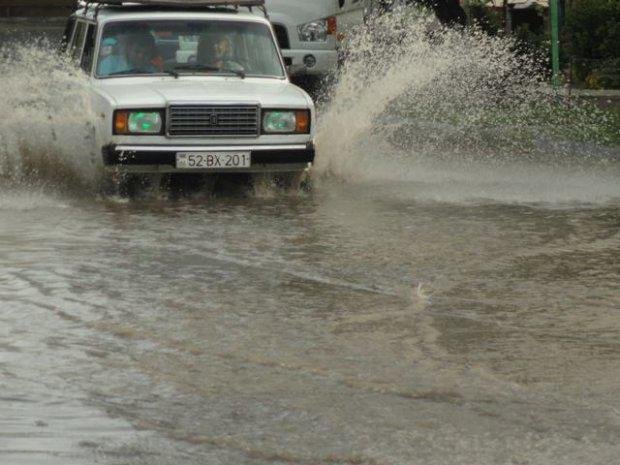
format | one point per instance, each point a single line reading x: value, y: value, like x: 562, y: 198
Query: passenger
x: 110, y: 60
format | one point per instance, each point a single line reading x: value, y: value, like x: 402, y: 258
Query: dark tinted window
x: 66, y: 36
x: 89, y: 49
x: 78, y: 41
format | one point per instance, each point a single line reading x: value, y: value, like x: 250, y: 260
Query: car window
x: 210, y: 46
x: 89, y: 49
x: 78, y: 40
x: 67, y: 34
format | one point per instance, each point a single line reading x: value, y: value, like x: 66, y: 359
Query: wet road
x: 359, y: 324
x: 448, y: 293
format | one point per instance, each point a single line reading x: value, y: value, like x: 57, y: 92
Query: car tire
x: 123, y: 185
x: 186, y: 184
x: 293, y: 182
x: 289, y: 181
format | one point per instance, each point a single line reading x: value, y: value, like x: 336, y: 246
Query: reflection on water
x: 344, y: 326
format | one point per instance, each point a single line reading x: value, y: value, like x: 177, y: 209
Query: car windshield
x: 132, y: 48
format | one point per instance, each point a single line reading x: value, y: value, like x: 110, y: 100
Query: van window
x: 78, y: 40
x: 89, y: 49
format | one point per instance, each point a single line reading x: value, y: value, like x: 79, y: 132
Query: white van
x: 351, y: 13
x: 310, y: 31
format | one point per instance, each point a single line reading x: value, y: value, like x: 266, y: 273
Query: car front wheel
x: 289, y: 182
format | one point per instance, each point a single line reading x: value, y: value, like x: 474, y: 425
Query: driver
x: 141, y: 53
x: 217, y: 50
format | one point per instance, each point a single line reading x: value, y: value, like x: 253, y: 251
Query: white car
x: 231, y: 109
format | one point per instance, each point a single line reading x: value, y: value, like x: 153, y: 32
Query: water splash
x: 46, y: 137
x: 461, y: 115
x: 457, y: 115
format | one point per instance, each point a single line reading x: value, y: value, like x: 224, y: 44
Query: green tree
x: 484, y: 17
x: 593, y: 41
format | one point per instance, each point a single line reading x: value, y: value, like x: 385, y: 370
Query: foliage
x: 482, y: 16
x: 592, y: 38
x: 532, y: 41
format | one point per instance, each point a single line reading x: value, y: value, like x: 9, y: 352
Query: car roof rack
x: 178, y: 4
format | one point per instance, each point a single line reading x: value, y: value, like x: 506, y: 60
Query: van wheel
x: 314, y: 85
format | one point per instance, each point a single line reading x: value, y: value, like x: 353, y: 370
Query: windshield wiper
x: 129, y: 71
x: 206, y: 68
x: 192, y: 67
x: 237, y: 72
x: 171, y: 72
x: 138, y: 71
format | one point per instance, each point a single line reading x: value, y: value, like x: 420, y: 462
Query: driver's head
x: 214, y: 47
x: 222, y: 47
x: 140, y: 49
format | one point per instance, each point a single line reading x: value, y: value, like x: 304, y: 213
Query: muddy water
x: 358, y: 324
x: 447, y: 293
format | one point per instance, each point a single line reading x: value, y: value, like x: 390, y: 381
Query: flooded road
x: 448, y: 291
x: 356, y: 324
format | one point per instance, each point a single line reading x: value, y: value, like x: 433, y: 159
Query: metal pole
x: 555, y: 42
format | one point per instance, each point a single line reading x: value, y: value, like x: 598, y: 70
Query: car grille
x: 282, y: 36
x: 213, y: 120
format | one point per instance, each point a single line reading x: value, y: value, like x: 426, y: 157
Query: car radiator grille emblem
x: 213, y: 120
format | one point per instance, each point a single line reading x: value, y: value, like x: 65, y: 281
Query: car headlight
x: 317, y: 31
x: 286, y: 122
x: 138, y: 122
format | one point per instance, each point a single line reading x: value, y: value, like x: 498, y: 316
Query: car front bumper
x: 162, y: 158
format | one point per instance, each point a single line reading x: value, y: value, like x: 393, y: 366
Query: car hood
x: 158, y: 92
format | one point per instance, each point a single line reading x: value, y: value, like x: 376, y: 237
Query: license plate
x: 213, y: 160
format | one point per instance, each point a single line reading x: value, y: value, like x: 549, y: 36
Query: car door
x: 83, y: 44
x: 67, y: 35
x: 77, y: 41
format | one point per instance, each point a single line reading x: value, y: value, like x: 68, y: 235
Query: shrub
x: 482, y: 16
x: 592, y: 39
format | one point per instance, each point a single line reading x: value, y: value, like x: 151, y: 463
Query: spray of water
x: 46, y: 136
x: 455, y: 114
x: 460, y: 115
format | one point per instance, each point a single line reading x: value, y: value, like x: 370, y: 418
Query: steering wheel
x: 234, y: 63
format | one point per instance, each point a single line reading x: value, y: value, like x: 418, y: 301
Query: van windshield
x: 131, y: 48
